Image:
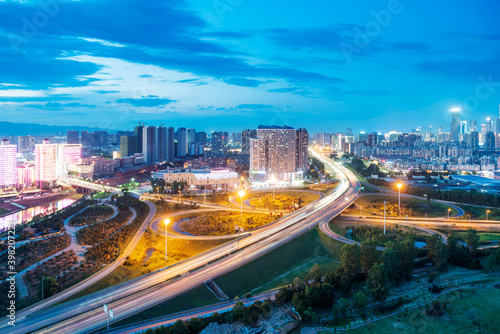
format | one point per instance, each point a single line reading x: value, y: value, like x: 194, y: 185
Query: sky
x: 325, y: 65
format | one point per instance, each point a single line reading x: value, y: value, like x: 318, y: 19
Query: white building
x: 8, y: 164
x: 216, y: 179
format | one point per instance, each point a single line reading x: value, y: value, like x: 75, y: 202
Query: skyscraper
x: 191, y: 141
x: 128, y: 145
x: 489, y: 143
x: 246, y: 135
x: 302, y: 151
x: 219, y: 141
x: 201, y: 142
x: 180, y: 136
x: 455, y: 124
x: 45, y: 164
x: 276, y: 155
x: 138, y: 138
x: 73, y: 137
x: 67, y: 154
x: 150, y: 144
x: 8, y: 164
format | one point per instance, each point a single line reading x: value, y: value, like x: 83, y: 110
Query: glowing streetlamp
x: 399, y: 185
x: 241, y: 193
x: 449, y: 210
x: 487, y: 213
x: 167, y: 221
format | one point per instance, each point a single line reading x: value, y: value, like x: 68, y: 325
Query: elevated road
x: 85, y: 314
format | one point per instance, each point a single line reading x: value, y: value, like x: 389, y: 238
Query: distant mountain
x: 24, y: 129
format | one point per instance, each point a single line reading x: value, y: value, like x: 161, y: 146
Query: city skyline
x: 214, y: 66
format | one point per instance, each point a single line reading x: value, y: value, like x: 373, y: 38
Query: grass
x: 479, y: 213
x: 3, y: 211
x: 101, y: 195
x: 366, y: 189
x: 178, y: 250
x: 197, y: 297
x: 305, y: 197
x: 420, y: 207
x: 484, y: 238
x: 477, y: 313
x: 280, y: 261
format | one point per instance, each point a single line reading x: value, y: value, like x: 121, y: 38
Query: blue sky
x: 232, y: 64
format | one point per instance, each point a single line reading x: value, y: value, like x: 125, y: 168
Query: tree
x: 50, y: 286
x: 315, y: 273
x: 350, y: 257
x: 472, y: 240
x: 392, y: 263
x: 377, y: 282
x: 438, y: 252
x: 179, y: 327
x: 360, y: 301
x: 407, y: 253
x: 195, y: 325
x: 239, y: 311
x: 343, y: 306
x: 369, y: 256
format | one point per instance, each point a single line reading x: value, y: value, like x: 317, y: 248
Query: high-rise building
x: 246, y: 135
x: 455, y: 124
x: 302, y: 150
x: 138, y: 138
x: 348, y: 132
x: 25, y: 176
x: 67, y: 154
x: 201, y: 142
x: 25, y: 144
x: 275, y: 154
x: 180, y: 136
x: 489, y: 143
x: 8, y: 164
x: 473, y: 140
x: 73, y: 137
x: 191, y: 141
x: 45, y: 164
x: 128, y: 145
x: 166, y: 142
x: 323, y: 139
x: 150, y: 144
x: 219, y: 141
x: 372, y: 139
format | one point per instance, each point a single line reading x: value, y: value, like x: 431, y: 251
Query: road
x: 91, y: 280
x: 85, y: 314
x: 195, y: 313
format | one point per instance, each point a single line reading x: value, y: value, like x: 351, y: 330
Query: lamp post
x: 361, y: 209
x: 167, y: 221
x: 469, y: 220
x: 399, y: 185
x: 449, y: 210
x: 273, y: 181
x: 487, y: 213
x: 241, y: 193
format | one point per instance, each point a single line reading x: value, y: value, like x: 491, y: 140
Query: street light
x: 273, y: 181
x: 241, y: 193
x: 167, y: 221
x: 487, y: 212
x: 399, y: 185
x: 449, y: 210
x: 469, y: 220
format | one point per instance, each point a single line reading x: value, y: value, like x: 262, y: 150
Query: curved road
x: 85, y: 314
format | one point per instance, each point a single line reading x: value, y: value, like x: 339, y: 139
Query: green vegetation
x: 479, y: 213
x: 35, y: 251
x: 197, y: 297
x: 283, y: 200
x: 94, y: 233
x: 96, y: 213
x: 465, y: 313
x: 375, y: 235
x: 248, y: 315
x: 442, y: 255
x: 459, y: 196
x: 374, y: 205
x: 3, y: 211
x: 294, y: 254
x: 222, y: 223
x: 362, y: 268
x: 101, y: 195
